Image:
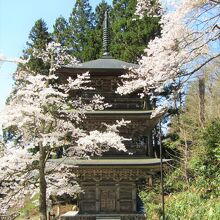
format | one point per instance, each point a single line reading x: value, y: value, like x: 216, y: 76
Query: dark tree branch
x: 202, y: 65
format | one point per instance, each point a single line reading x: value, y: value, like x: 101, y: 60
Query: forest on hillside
x: 192, y: 141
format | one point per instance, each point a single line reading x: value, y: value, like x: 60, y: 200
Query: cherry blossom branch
x: 202, y: 65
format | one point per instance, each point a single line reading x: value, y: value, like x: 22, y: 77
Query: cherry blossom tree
x: 11, y: 60
x: 42, y: 117
x: 189, y: 40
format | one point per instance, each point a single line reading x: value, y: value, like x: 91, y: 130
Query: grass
x: 29, y: 210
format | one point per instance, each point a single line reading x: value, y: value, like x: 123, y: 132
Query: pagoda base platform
x: 72, y: 215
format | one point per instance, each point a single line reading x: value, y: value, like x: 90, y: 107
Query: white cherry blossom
x: 41, y: 117
x: 189, y: 40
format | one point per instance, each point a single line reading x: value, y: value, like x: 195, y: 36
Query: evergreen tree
x: 81, y: 27
x: 39, y: 37
x: 130, y: 35
x: 61, y: 31
x: 82, y: 34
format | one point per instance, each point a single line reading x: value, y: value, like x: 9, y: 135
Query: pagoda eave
x: 147, y: 113
x: 145, y: 116
x: 112, y: 162
x: 148, y: 165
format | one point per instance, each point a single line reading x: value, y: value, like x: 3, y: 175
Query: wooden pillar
x: 117, y: 197
x: 134, y: 197
x: 97, y: 197
x: 150, y: 152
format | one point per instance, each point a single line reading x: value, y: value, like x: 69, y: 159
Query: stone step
x: 108, y: 218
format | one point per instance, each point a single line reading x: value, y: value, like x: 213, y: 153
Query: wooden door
x: 108, y: 200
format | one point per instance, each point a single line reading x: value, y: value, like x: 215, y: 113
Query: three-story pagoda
x: 110, y: 182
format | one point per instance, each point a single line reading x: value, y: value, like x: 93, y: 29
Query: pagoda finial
x: 106, y: 39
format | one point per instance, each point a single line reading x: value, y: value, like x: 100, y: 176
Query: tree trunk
x: 202, y: 101
x: 43, y: 185
x: 186, y: 154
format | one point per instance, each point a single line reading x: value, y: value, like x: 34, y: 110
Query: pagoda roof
x: 116, y: 162
x: 104, y: 63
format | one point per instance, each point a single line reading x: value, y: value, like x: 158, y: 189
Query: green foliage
x: 151, y: 199
x: 82, y: 34
x: 216, y: 152
x: 61, y: 31
x: 81, y: 27
x: 39, y: 37
x: 130, y: 35
x: 191, y: 206
x: 175, y: 181
x: 193, y: 181
x: 205, y: 163
x: 211, y: 138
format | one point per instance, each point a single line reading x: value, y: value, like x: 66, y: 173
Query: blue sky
x: 17, y: 17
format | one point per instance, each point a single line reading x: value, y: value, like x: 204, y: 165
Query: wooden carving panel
x: 125, y: 197
x: 90, y: 193
x: 100, y: 174
x: 88, y: 207
x: 125, y: 193
x: 88, y: 199
x: 108, y: 200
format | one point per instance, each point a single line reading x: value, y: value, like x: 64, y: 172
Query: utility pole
x: 161, y: 172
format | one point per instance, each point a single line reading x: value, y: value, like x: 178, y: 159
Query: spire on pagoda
x: 106, y: 38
